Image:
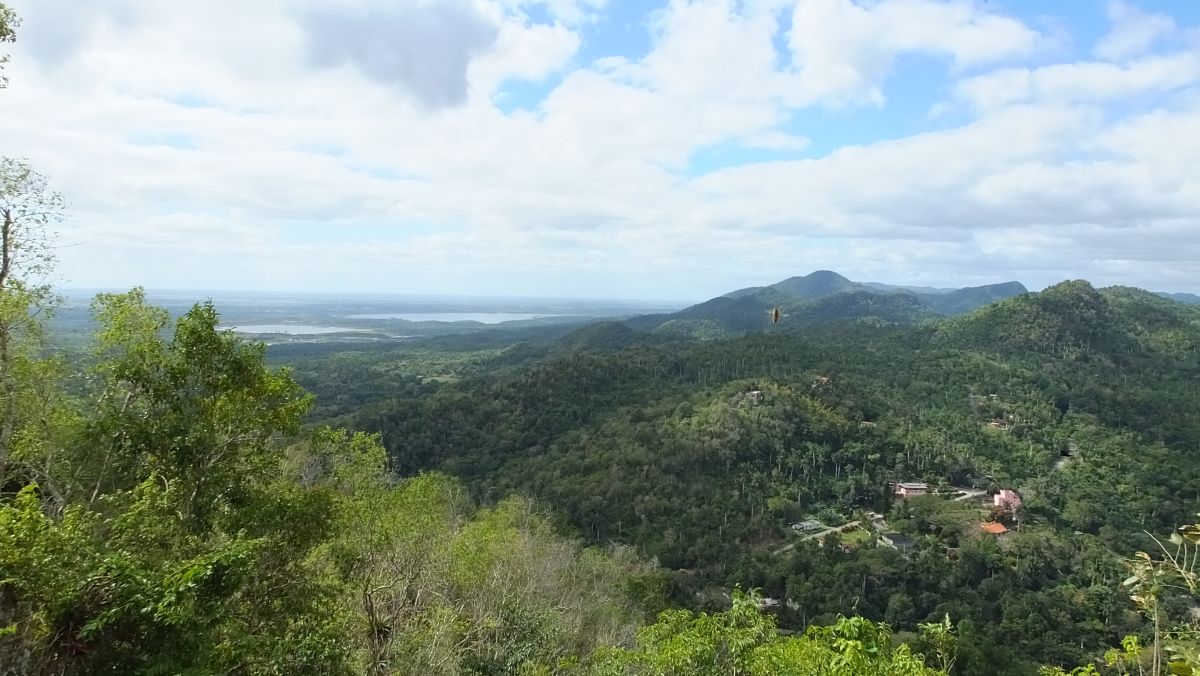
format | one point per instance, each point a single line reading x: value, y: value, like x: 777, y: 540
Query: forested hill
x: 888, y: 481
x: 819, y: 296
x: 1190, y: 298
x: 701, y: 453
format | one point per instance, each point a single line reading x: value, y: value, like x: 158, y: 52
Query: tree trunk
x: 8, y: 388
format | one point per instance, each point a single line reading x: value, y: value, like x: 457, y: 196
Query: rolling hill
x: 1074, y: 318
x: 821, y: 296
x: 701, y: 453
x: 961, y: 301
x: 1189, y: 298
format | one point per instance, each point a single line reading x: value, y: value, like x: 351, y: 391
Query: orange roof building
x: 994, y: 528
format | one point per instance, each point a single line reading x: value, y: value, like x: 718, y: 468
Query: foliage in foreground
x: 1156, y: 583
x: 742, y: 640
x: 170, y: 517
x: 162, y: 512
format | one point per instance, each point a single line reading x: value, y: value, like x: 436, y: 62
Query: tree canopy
x: 8, y: 33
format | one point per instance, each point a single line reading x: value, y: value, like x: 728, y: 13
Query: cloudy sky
x: 605, y: 148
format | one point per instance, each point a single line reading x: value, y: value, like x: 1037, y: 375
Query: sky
x: 611, y: 148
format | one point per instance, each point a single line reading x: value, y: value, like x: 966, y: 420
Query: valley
x: 599, y: 338
x: 699, y: 451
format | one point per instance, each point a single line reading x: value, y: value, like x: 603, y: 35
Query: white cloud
x: 570, y: 12
x: 1091, y: 82
x: 915, y: 187
x: 776, y: 140
x: 225, y: 158
x: 526, y: 52
x: 838, y: 49
x: 1133, y: 31
x: 843, y: 50
x: 962, y: 30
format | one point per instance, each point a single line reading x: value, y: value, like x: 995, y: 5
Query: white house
x: 908, y: 489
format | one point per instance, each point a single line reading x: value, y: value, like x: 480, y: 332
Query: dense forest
x: 699, y: 454
x: 165, y: 510
x: 884, y: 482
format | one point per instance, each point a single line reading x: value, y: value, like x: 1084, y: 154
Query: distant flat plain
x: 287, y: 316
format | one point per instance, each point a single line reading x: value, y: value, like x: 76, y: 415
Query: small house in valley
x: 994, y: 528
x: 807, y: 526
x: 899, y: 542
x: 767, y: 603
x: 909, y: 489
x: 1007, y: 500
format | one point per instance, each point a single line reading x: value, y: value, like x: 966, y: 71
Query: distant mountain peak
x: 1073, y: 318
x: 824, y: 295
x: 816, y: 284
x: 826, y: 275
x: 971, y: 297
x: 1189, y: 298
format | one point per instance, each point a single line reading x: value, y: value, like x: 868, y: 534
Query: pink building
x: 1007, y: 499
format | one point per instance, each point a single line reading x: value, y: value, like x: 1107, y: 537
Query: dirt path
x: 813, y: 536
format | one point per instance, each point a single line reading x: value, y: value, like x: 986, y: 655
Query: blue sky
x: 603, y: 148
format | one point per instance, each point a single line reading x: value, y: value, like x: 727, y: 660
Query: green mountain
x: 1189, y: 298
x: 820, y: 296
x: 609, y: 335
x: 701, y: 454
x: 919, y: 290
x: 900, y: 308
x: 816, y: 285
x: 1066, y: 318
x: 748, y: 311
x: 1073, y: 318
x: 961, y: 301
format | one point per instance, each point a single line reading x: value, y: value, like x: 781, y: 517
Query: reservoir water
x: 481, y: 317
x: 290, y: 329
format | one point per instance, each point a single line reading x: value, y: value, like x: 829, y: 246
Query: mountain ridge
x: 823, y: 295
x: 1189, y: 298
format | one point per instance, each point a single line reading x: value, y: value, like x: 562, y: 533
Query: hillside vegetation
x: 164, y: 509
x: 585, y: 504
x: 697, y: 493
x: 699, y: 455
x: 169, y: 515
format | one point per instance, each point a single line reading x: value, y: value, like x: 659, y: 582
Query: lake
x: 290, y: 329
x: 481, y: 317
